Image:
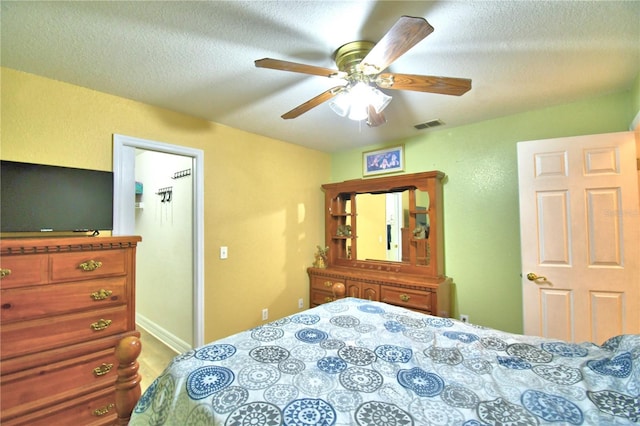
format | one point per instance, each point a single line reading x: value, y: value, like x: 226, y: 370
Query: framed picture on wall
x: 381, y: 161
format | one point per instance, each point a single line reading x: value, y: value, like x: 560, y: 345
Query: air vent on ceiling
x: 429, y: 124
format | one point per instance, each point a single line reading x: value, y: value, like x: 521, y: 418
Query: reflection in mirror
x: 421, y: 231
x: 394, y: 226
x: 380, y: 223
x: 385, y: 230
x: 371, y: 226
x: 348, y: 222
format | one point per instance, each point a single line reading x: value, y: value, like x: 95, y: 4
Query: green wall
x: 482, y: 246
x: 635, y: 101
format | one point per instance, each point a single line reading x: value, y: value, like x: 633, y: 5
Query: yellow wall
x: 262, y: 196
x: 372, y: 227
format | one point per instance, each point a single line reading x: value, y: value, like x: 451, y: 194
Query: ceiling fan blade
x: 424, y: 83
x: 375, y: 119
x: 405, y: 33
x: 277, y: 64
x: 313, y: 102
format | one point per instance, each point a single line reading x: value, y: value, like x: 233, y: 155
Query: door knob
x: 535, y: 278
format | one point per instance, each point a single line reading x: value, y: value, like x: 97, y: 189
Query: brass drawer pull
x: 328, y: 299
x: 102, y: 370
x: 405, y: 297
x: 101, y: 325
x: 328, y: 284
x: 90, y: 265
x: 104, y: 410
x: 5, y: 273
x: 101, y: 294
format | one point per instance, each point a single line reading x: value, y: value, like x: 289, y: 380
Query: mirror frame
x: 338, y: 195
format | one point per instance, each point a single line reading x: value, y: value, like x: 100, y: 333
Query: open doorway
x: 125, y: 149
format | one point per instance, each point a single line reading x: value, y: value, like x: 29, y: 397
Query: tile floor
x: 153, y: 359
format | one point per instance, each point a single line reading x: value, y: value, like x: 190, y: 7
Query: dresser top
x: 11, y: 246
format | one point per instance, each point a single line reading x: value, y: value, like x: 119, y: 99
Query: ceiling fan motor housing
x: 348, y: 56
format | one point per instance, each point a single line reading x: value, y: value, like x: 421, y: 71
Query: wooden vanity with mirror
x: 385, y: 243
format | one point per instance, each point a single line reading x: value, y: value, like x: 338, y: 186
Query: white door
x: 394, y: 226
x: 580, y: 237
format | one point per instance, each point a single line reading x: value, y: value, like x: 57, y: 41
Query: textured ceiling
x: 197, y: 57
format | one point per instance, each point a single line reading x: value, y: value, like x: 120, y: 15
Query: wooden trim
x: 11, y: 246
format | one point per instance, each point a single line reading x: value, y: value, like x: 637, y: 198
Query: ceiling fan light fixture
x: 361, y: 97
x: 354, y: 101
x: 358, y: 112
x: 341, y: 104
x: 380, y: 100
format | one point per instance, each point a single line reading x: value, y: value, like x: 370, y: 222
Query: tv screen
x: 41, y: 198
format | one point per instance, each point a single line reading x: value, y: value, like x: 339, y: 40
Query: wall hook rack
x: 165, y: 193
x: 181, y: 174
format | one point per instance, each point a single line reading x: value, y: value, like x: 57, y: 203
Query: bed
x: 357, y: 362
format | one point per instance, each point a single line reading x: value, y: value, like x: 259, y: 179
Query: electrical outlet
x: 300, y: 303
x: 224, y: 252
x: 464, y: 318
x: 265, y: 314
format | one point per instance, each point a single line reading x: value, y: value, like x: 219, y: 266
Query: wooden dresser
x: 410, y: 291
x: 65, y: 304
x: 415, y: 279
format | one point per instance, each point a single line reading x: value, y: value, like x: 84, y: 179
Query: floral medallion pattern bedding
x: 357, y: 362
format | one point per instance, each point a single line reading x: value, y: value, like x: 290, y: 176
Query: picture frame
x: 383, y: 161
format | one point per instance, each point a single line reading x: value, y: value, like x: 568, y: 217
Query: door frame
x: 393, y: 203
x: 124, y: 208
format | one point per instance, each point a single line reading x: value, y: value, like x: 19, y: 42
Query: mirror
x: 383, y: 226
x: 389, y: 223
x: 380, y: 220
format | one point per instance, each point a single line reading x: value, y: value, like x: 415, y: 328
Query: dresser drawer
x: 87, y: 265
x: 50, y: 384
x: 49, y: 333
x: 95, y: 409
x: 318, y: 297
x: 412, y: 299
x: 19, y: 304
x: 324, y: 283
x: 56, y: 355
x: 24, y: 270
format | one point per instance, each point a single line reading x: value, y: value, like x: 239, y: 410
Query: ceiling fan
x: 361, y: 65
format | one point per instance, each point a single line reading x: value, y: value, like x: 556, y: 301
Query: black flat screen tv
x: 42, y: 198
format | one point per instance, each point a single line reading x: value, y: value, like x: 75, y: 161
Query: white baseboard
x: 161, y: 334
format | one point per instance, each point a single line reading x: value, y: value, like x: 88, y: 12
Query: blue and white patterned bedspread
x: 356, y: 362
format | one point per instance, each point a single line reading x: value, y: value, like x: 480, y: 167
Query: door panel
x: 607, y: 314
x: 603, y: 228
x: 553, y: 236
x: 580, y: 234
x: 557, y: 311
